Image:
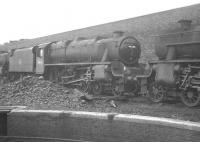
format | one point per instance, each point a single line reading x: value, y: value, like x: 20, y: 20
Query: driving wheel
x: 191, y: 98
x: 157, y: 93
x: 116, y: 91
x: 97, y: 88
x: 83, y: 86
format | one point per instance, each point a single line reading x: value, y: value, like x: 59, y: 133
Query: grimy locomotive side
x: 110, y: 64
x: 94, y: 65
x: 177, y: 72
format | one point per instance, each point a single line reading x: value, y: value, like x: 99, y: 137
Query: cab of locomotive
x: 40, y: 51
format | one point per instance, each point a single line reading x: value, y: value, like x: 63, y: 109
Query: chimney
x: 185, y: 24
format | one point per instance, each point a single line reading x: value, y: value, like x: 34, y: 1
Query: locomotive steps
x: 93, y: 126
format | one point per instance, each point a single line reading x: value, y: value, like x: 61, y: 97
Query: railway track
x: 35, y: 139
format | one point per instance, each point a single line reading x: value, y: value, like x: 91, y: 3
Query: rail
x: 7, y: 109
x: 35, y: 139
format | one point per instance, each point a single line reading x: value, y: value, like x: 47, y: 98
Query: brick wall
x: 143, y: 28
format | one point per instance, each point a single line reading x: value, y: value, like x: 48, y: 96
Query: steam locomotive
x: 110, y: 65
x: 177, y: 72
x: 102, y: 64
x: 95, y: 65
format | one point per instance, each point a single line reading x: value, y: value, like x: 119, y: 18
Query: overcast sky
x: 22, y: 19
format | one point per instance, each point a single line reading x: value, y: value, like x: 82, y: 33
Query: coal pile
x: 35, y: 92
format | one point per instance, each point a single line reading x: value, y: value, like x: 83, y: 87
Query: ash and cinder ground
x: 36, y: 93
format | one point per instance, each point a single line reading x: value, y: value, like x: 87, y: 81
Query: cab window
x: 39, y: 52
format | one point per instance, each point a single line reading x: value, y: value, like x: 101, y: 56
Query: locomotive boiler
x: 97, y: 65
x: 177, y: 72
x: 100, y: 49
